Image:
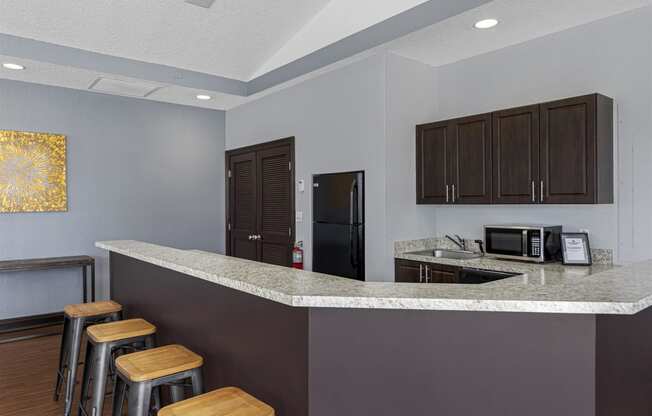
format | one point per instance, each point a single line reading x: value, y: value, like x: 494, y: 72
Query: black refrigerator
x: 338, y: 224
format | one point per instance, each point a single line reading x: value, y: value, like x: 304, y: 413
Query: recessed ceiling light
x: 485, y: 24
x: 204, y: 97
x: 9, y: 65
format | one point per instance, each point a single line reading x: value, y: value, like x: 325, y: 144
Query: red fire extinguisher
x: 297, y: 255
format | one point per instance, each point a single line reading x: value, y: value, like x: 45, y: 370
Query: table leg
x: 92, y: 282
x: 84, y: 288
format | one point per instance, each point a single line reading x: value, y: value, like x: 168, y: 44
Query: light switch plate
x: 299, y: 216
x: 301, y: 184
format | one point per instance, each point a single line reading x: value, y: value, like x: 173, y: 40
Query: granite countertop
x: 599, y: 290
x: 490, y: 263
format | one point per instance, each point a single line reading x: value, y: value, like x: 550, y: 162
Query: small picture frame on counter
x: 576, y: 250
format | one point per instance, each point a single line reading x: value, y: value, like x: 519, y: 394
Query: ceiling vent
x: 120, y: 87
x: 201, y: 3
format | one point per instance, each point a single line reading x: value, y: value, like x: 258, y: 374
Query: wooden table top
x: 45, y: 263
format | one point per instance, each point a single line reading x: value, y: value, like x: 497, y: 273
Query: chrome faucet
x: 458, y: 241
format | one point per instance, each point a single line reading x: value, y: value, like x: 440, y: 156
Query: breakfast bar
x: 541, y: 343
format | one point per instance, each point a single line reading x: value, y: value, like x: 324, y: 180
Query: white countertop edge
x: 400, y: 303
x: 468, y: 305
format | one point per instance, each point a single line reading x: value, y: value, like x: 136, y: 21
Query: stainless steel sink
x: 455, y: 254
x: 444, y: 253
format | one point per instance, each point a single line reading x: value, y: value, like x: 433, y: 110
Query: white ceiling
x: 246, y: 38
x: 231, y: 39
x: 81, y: 79
x: 455, y: 39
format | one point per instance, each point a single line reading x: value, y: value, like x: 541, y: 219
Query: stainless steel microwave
x: 525, y: 242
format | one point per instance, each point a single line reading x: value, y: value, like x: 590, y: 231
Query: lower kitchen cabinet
x: 408, y: 271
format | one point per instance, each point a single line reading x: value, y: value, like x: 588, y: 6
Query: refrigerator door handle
x: 352, y: 201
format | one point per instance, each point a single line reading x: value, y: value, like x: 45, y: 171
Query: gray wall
x: 136, y: 170
x: 611, y: 56
x: 338, y: 120
x: 410, y: 101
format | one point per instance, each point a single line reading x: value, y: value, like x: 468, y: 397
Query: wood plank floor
x: 27, y: 375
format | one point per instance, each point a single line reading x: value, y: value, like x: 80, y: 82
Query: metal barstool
x: 144, y: 372
x: 228, y: 401
x: 76, y: 319
x: 105, y: 340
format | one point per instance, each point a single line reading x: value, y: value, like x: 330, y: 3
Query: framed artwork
x: 32, y: 172
x: 576, y: 249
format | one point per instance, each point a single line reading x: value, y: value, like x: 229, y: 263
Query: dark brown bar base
x: 325, y: 362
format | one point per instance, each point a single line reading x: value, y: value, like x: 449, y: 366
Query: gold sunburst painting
x: 32, y: 172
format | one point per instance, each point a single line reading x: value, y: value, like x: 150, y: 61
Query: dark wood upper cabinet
x: 470, y: 160
x: 577, y: 151
x: 559, y: 152
x: 454, y: 161
x: 433, y: 171
x: 516, y: 155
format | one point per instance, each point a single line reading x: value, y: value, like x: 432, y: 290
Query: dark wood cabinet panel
x: 516, y: 155
x: 576, y: 151
x: 438, y: 273
x: 433, y: 171
x: 408, y: 271
x: 470, y: 160
x: 260, y: 202
x: 559, y: 152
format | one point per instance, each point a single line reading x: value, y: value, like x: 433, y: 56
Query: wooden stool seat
x: 115, y: 331
x: 229, y: 401
x: 157, y: 362
x: 87, y: 310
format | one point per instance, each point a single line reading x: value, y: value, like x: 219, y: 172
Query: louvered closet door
x: 243, y: 205
x: 275, y: 205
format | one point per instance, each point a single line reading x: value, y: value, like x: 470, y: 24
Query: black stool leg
x: 62, y: 357
x: 101, y: 358
x: 73, y: 357
x: 197, y: 382
x: 139, y: 399
x: 89, y: 364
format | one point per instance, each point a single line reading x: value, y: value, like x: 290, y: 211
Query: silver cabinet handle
x: 453, y: 194
x: 421, y: 273
x: 428, y: 277
x: 534, y: 198
x: 541, y: 191
x: 447, y: 194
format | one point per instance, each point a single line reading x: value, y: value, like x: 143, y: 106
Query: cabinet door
x: 470, y: 160
x: 432, y: 163
x: 243, y: 206
x: 275, y: 205
x: 568, y: 143
x: 438, y: 273
x: 515, y: 156
x: 406, y: 271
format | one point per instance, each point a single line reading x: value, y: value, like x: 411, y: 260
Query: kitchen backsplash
x: 599, y: 255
